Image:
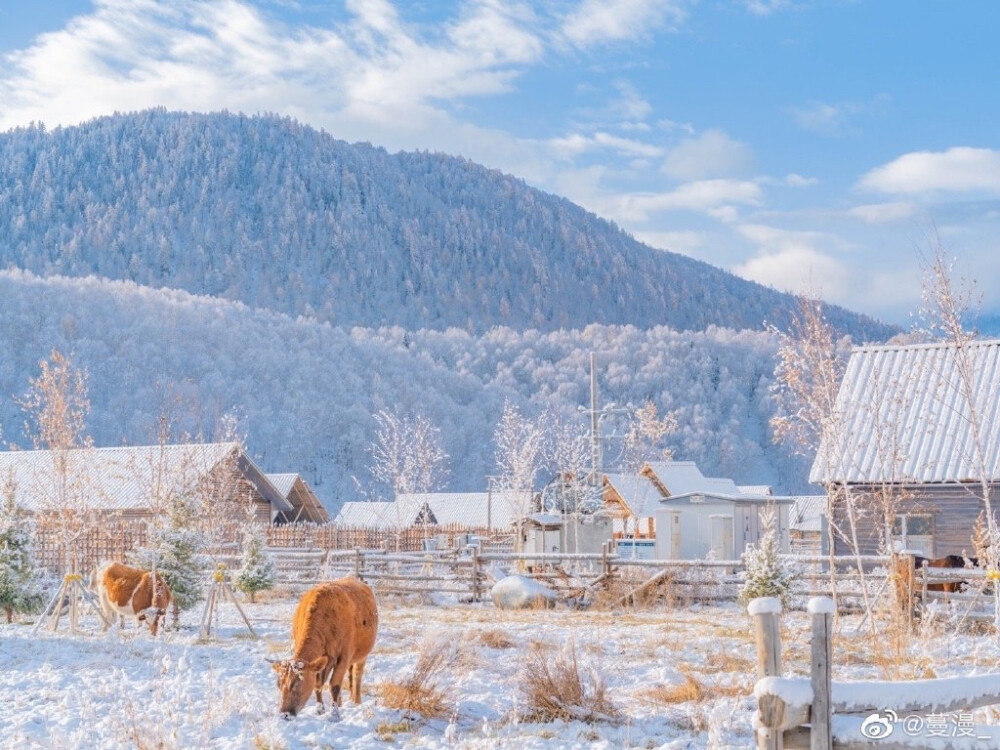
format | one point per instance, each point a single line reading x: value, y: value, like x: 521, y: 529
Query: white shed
x: 697, y: 525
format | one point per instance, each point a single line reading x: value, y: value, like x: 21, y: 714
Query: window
x: 915, y: 531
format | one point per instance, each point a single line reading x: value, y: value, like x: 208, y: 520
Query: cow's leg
x: 357, y: 670
x: 336, y: 681
x: 321, y: 679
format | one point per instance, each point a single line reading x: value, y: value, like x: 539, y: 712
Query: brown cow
x: 129, y: 591
x: 333, y: 632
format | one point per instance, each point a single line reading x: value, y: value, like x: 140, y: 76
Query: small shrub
x: 421, y: 691
x: 553, y: 689
x: 496, y: 639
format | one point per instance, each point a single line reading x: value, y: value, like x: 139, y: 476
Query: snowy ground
x: 682, y: 679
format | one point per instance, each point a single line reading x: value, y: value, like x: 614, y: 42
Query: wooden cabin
x: 136, y: 482
x: 917, y: 445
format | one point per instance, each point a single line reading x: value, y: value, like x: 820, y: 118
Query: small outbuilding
x: 698, y: 525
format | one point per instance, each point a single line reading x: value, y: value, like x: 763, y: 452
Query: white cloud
x: 827, y: 119
x: 798, y: 181
x: 601, y: 21
x: 880, y: 213
x: 578, y: 143
x: 790, y: 261
x: 766, y: 7
x: 684, y: 241
x: 711, y: 154
x: 959, y: 169
x: 717, y: 198
x: 193, y: 54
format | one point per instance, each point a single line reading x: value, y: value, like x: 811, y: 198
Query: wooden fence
x: 115, y: 538
x: 816, y: 713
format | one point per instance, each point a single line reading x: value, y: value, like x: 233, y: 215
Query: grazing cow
x: 129, y: 591
x: 333, y: 631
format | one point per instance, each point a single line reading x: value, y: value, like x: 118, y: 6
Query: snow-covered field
x: 680, y: 678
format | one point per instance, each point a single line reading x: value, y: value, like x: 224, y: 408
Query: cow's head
x: 158, y: 609
x: 296, y: 680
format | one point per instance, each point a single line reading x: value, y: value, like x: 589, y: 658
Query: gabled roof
x: 902, y: 417
x: 682, y: 477
x: 305, y: 505
x: 125, y: 478
x: 640, y: 495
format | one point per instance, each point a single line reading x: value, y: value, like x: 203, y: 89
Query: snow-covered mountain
x: 197, y: 264
x: 283, y: 217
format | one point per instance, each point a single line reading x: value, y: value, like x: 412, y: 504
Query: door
x: 720, y: 537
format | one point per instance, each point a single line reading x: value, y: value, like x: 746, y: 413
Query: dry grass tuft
x: 496, y: 639
x: 421, y: 691
x: 691, y: 690
x: 553, y: 689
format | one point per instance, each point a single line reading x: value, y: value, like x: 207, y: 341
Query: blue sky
x: 800, y: 143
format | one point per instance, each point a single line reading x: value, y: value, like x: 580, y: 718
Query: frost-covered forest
x: 280, y: 216
x: 307, y: 391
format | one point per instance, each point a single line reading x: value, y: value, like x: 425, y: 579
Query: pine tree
x: 257, y: 569
x: 19, y: 590
x: 178, y: 558
x: 766, y: 575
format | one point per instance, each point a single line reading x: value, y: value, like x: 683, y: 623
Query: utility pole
x: 595, y: 426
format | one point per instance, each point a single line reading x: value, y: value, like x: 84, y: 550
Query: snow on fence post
x: 822, y: 610
x: 765, y: 611
x: 359, y: 561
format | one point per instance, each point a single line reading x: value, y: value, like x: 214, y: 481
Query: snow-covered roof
x: 736, y: 498
x: 296, y: 490
x: 134, y: 478
x: 904, y: 418
x: 755, y: 489
x: 806, y: 513
x: 682, y: 477
x: 637, y: 491
x: 471, y: 509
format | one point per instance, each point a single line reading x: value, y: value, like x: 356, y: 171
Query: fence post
x: 822, y: 610
x: 475, y: 573
x: 359, y: 561
x: 605, y: 563
x: 765, y: 611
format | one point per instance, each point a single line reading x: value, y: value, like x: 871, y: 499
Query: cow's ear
x: 318, y: 663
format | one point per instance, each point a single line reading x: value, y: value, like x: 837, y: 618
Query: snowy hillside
x: 283, y: 217
x: 307, y: 390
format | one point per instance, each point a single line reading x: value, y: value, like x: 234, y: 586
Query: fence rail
x: 816, y: 713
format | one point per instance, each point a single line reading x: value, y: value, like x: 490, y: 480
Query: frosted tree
x: 257, y: 571
x: 19, y: 590
x: 948, y: 306
x: 766, y: 573
x: 407, y: 456
x: 519, y: 444
x: 57, y: 405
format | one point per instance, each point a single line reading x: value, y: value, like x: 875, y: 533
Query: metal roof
x: 807, y: 513
x: 737, y: 499
x: 902, y: 416
x: 122, y: 478
x: 283, y: 483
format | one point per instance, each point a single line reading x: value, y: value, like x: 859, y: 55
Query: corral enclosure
x: 675, y: 678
